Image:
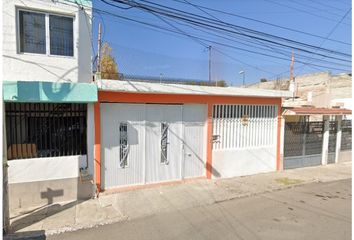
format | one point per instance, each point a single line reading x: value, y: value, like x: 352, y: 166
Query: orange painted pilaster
x: 278, y: 135
x: 97, y: 148
x: 209, y: 165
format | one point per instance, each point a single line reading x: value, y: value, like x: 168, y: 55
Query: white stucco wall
x: 41, y: 67
x: 242, y: 162
x: 43, y: 169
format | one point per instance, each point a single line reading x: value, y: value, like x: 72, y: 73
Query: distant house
x: 320, y: 89
x: 48, y: 100
x: 317, y: 119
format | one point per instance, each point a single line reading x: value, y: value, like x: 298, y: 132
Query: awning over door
x: 56, y: 92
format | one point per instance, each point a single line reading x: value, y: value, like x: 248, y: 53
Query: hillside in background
x: 319, y: 89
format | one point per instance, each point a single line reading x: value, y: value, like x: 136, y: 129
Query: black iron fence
x: 45, y: 130
x: 346, y: 142
x: 332, y: 141
x: 303, y: 138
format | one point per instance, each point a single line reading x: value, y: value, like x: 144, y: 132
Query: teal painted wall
x: 26, y: 91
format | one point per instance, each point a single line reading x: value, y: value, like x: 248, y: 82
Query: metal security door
x: 163, y: 150
x: 123, y: 144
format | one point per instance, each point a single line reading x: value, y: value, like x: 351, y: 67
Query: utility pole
x: 292, y: 78
x: 99, y: 49
x: 243, y: 77
x: 209, y: 48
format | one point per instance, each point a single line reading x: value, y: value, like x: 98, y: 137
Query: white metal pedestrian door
x: 194, y: 116
x: 163, y: 150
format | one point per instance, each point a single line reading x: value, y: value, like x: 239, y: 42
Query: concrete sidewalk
x: 123, y: 206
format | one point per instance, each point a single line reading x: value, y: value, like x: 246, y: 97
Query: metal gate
x: 244, y: 139
x: 332, y: 142
x: 303, y: 144
x: 346, y: 142
x: 146, y: 143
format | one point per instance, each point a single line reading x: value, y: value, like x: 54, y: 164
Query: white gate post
x: 282, y: 137
x: 339, y: 136
x: 325, y: 140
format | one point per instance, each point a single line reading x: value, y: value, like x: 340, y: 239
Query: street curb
x: 20, y: 235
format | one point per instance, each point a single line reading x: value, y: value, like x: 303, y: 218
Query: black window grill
x: 35, y: 130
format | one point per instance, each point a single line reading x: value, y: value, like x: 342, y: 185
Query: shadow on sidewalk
x: 33, y: 235
x: 38, y: 215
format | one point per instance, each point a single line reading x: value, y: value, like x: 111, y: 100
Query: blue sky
x: 142, y: 50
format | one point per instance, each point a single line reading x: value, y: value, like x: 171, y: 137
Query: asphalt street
x: 313, y: 211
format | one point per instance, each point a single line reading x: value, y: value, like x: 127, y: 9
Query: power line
x: 207, y: 22
x: 270, y: 47
x: 159, y: 28
x: 332, y: 30
x: 329, y: 6
x: 209, y: 47
x: 316, y: 8
x: 263, y: 22
x: 210, y: 41
x: 304, y: 11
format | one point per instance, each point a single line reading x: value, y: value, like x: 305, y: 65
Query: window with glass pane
x: 61, y: 35
x: 32, y: 32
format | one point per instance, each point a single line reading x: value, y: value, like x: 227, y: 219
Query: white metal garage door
x: 145, y: 143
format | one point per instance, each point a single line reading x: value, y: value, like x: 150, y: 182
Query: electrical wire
x: 263, y: 22
x: 304, y: 11
x: 268, y: 46
x: 207, y: 22
x: 207, y: 40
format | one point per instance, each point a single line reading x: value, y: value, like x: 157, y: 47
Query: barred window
x: 32, y: 32
x: 61, y: 35
x: 164, y: 143
x: 124, y: 147
x: 35, y: 35
x: 35, y: 130
x: 237, y: 126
